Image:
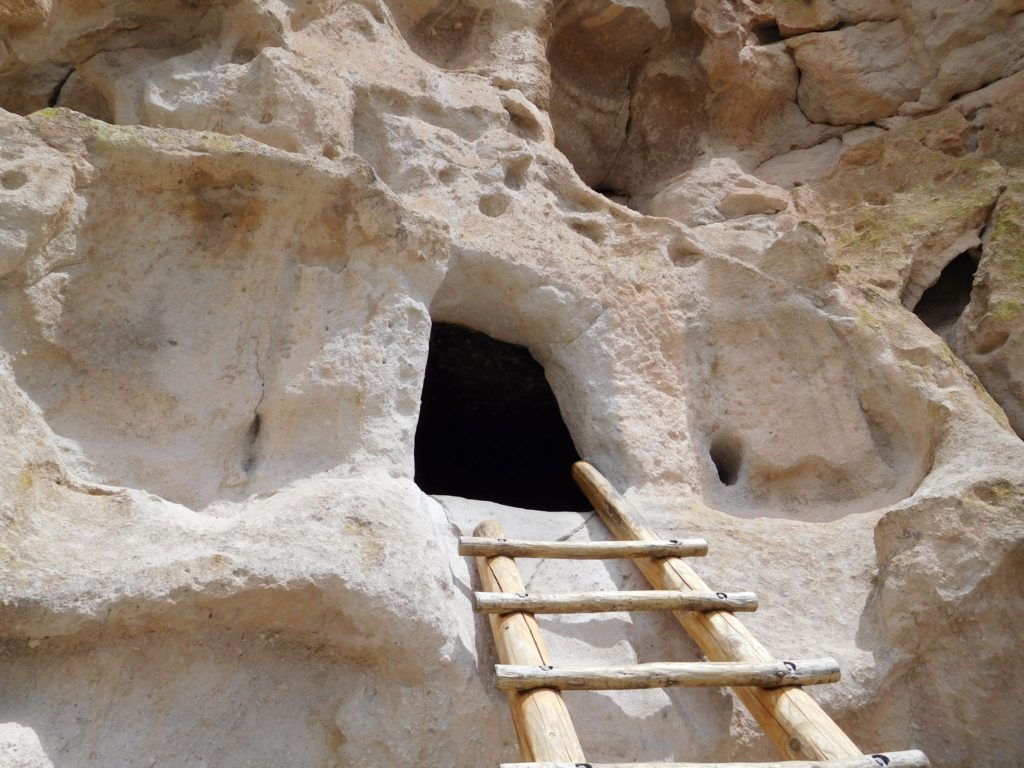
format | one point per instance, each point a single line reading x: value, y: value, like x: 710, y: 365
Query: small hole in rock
x: 515, y: 173
x: 493, y: 205
x: 615, y: 195
x: 521, y: 121
x: 727, y: 456
x: 13, y: 179
x: 243, y: 56
x: 592, y: 230
x: 607, y: 191
x: 942, y: 304
x: 55, y: 95
x: 490, y: 427
x: 767, y: 33
x: 251, y: 436
x: 331, y: 151
x: 973, y: 139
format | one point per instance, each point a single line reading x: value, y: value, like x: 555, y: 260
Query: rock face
x: 767, y: 253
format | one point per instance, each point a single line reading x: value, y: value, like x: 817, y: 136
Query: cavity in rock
x: 490, y: 427
x: 768, y: 33
x: 942, y: 304
x: 727, y: 456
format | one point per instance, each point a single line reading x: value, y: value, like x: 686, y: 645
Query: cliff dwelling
x: 347, y: 347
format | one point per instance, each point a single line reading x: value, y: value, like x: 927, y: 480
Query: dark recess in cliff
x: 490, y: 427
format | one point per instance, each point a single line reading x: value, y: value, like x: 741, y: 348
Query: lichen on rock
x: 767, y: 256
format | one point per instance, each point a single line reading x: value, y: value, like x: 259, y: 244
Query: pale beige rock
x: 901, y: 207
x: 213, y: 345
x: 972, y: 66
x: 989, y: 336
x: 822, y: 15
x: 20, y: 748
x: 591, y: 87
x: 801, y: 165
x: 753, y: 86
x: 859, y: 135
x: 21, y: 13
x: 714, y: 192
x: 857, y: 74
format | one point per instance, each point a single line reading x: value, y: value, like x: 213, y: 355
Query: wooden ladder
x: 769, y: 688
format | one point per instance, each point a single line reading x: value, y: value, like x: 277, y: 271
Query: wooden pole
x: 581, y: 550
x: 665, y: 674
x: 603, y: 602
x: 543, y: 726
x: 908, y: 759
x: 794, y: 722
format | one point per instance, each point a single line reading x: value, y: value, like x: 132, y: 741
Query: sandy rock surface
x: 767, y: 253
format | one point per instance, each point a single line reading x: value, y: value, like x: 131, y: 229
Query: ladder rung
x: 907, y: 759
x: 598, y: 602
x: 581, y: 550
x: 515, y: 677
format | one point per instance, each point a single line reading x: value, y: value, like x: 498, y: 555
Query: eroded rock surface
x: 768, y: 254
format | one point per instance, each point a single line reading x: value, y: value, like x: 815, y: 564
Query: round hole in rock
x: 493, y: 205
x: 490, y: 427
x: 727, y: 456
x: 13, y: 179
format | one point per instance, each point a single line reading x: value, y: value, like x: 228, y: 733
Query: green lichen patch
x: 1005, y: 245
x: 891, y: 197
x: 1006, y: 311
x: 998, y: 295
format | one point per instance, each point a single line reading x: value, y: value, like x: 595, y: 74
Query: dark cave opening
x: 767, y: 33
x: 607, y: 191
x: 941, y: 305
x: 490, y: 427
x: 727, y: 456
x: 615, y: 195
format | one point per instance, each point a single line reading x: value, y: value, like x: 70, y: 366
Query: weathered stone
x: 801, y: 165
x: 215, y: 312
x: 591, y: 79
x: 990, y: 335
x: 794, y: 18
x: 22, y: 13
x: 718, y: 191
x: 20, y: 748
x: 857, y: 74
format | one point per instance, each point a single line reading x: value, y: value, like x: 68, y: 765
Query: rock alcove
x: 490, y: 426
x: 216, y: 300
x: 942, y: 304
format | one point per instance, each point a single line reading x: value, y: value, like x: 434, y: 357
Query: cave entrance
x: 942, y: 304
x: 490, y: 427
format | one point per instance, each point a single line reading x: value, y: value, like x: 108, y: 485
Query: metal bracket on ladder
x: 792, y: 720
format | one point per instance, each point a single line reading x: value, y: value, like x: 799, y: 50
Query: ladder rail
x: 543, y: 726
x: 792, y: 720
x: 910, y: 758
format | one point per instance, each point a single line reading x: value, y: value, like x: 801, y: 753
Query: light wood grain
x: 543, y: 726
x: 666, y: 674
x: 581, y: 550
x: 793, y: 721
x: 603, y: 602
x: 907, y: 759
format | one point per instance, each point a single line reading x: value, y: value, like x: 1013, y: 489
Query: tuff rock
x: 226, y: 229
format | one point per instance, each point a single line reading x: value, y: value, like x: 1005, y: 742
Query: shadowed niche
x: 942, y: 304
x: 490, y: 427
